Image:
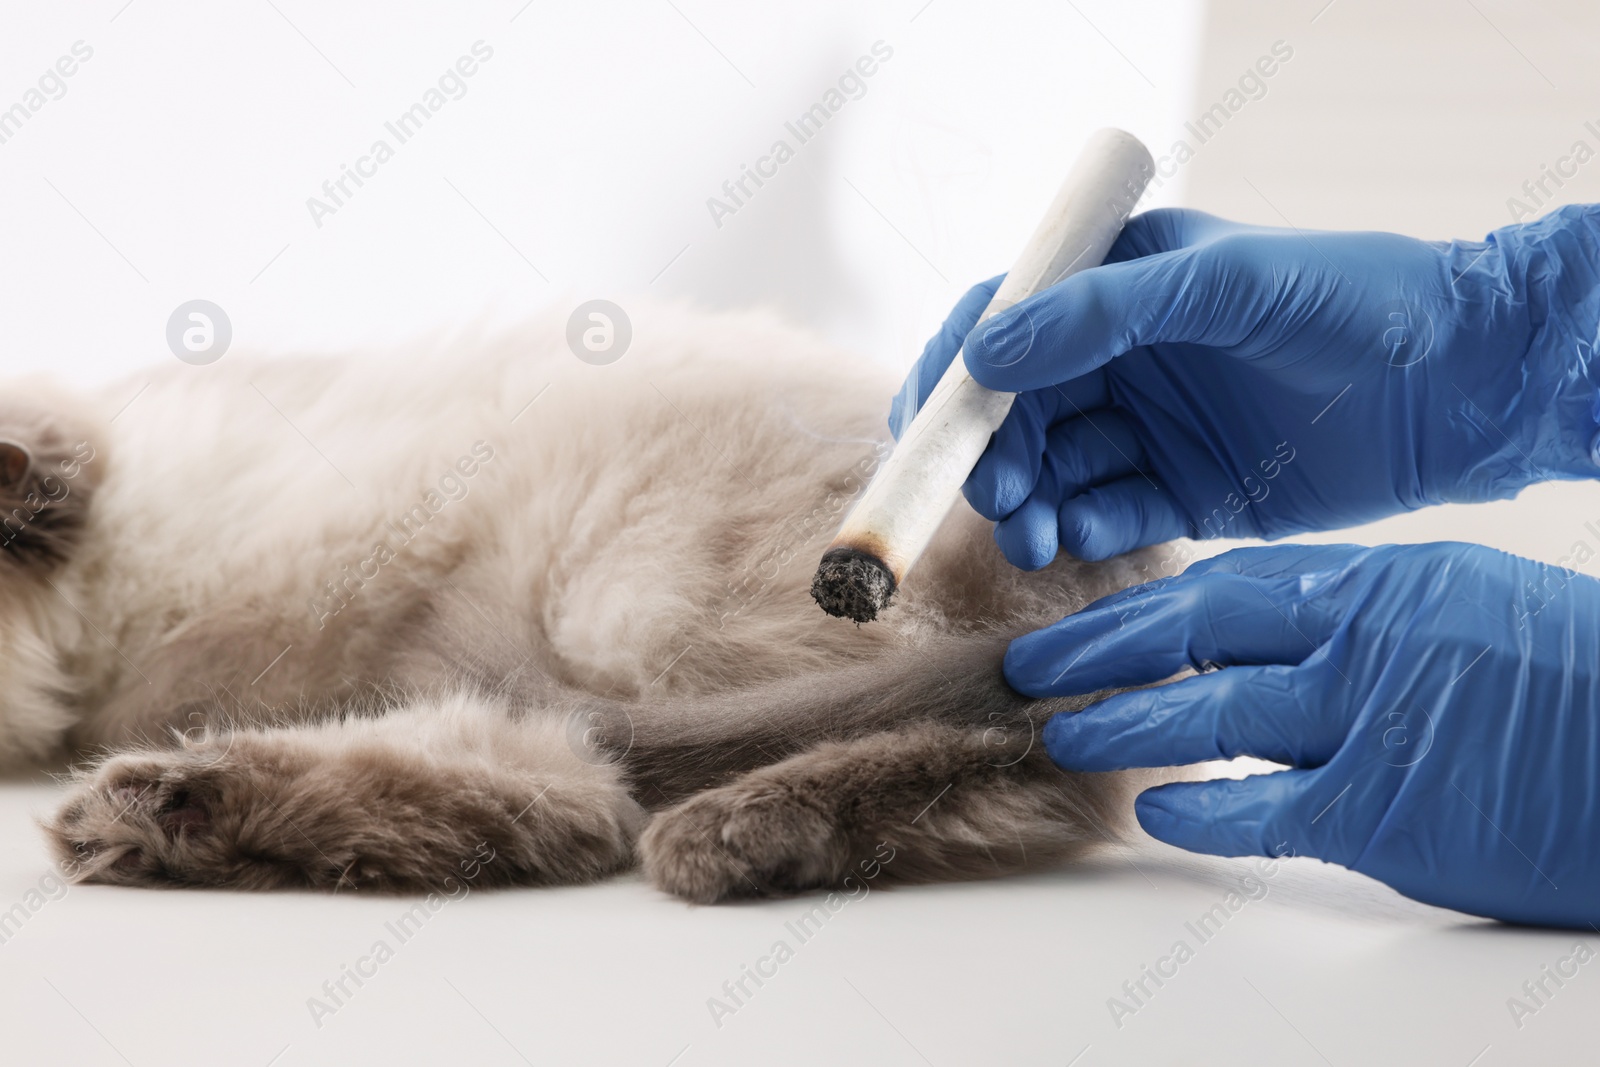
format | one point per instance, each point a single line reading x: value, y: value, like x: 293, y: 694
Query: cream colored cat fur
x: 361, y: 621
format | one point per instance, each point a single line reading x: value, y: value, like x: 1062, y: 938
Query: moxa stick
x: 903, y: 506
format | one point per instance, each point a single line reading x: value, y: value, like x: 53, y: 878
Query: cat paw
x: 250, y: 810
x: 741, y: 840
x: 167, y: 818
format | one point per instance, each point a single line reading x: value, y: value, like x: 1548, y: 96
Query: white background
x: 578, y: 163
x: 177, y: 166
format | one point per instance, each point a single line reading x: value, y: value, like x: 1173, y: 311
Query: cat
x: 389, y: 621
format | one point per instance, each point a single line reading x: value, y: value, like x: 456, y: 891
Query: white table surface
x: 1320, y: 966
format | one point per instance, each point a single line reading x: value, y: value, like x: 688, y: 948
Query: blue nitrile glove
x: 1224, y: 380
x: 1440, y: 703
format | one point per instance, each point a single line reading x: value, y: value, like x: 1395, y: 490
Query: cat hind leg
x: 926, y: 802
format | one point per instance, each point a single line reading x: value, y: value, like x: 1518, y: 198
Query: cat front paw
x: 742, y: 840
x: 250, y: 810
x: 189, y: 816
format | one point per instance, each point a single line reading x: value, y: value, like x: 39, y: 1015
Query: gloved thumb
x: 1084, y: 321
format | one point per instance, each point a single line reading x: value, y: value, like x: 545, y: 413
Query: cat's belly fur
x: 288, y: 531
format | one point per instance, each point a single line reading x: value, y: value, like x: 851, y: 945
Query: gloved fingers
x: 1008, y: 470
x: 1120, y: 516
x: 1173, y: 624
x: 1237, y: 711
x: 1276, y: 561
x: 937, y: 354
x: 1090, y: 318
x: 1093, y: 450
x: 1167, y: 229
x: 1262, y: 815
x: 1313, y: 563
x: 1078, y: 455
x: 1080, y: 396
x: 1029, y: 536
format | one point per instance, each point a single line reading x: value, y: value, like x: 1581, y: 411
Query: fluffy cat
x: 484, y: 611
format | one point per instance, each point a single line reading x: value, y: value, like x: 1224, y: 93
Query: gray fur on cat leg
x: 946, y: 802
x: 430, y: 798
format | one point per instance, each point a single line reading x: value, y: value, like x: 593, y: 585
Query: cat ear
x: 15, y: 461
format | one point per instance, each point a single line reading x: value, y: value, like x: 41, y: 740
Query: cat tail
x: 672, y: 748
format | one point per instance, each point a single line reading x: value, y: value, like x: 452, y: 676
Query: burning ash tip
x: 850, y: 584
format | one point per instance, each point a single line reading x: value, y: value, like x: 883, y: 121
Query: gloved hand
x: 1219, y: 380
x: 1440, y: 705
